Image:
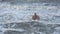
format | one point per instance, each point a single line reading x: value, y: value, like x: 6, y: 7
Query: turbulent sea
x: 16, y: 18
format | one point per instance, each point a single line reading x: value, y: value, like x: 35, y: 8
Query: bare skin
x: 35, y: 17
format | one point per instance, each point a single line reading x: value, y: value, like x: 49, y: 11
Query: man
x: 35, y: 17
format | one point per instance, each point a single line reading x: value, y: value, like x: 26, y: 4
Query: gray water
x: 16, y: 18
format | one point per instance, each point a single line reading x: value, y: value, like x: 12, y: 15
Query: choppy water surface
x: 16, y: 18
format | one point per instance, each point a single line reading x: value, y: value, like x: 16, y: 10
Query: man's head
x: 34, y: 13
